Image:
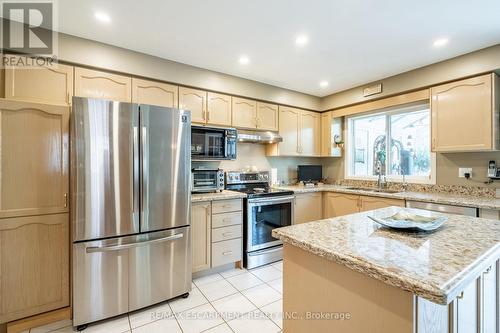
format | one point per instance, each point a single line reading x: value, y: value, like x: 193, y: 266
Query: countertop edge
x: 225, y: 195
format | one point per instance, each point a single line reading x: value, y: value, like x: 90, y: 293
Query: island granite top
x: 436, y: 266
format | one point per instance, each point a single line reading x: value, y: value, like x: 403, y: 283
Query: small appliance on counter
x: 309, y: 174
x: 207, y: 180
x: 213, y: 144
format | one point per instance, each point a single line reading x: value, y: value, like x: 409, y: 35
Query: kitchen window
x: 408, y: 153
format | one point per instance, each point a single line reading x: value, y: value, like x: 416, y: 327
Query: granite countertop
x: 224, y: 195
x: 442, y: 198
x: 436, y: 266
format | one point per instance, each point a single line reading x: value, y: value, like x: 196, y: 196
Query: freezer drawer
x: 119, y: 275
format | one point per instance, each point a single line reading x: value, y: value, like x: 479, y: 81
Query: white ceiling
x: 350, y: 42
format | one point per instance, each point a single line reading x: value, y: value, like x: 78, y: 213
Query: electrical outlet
x: 463, y: 171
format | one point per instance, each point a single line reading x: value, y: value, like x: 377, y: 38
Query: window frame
x: 387, y: 112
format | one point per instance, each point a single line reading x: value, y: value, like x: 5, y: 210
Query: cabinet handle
x: 227, y: 253
x: 461, y: 296
x: 67, y: 98
x: 487, y: 271
x: 433, y: 143
x: 208, y: 115
x: 227, y: 219
x: 227, y: 234
x: 65, y: 200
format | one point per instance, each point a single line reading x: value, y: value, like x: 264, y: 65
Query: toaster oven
x: 207, y: 180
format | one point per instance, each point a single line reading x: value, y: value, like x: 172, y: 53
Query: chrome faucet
x: 381, y: 183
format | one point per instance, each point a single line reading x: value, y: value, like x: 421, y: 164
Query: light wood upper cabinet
x: 244, y: 113
x: 339, y: 204
x: 370, y: 203
x: 47, y: 85
x: 465, y: 115
x: 308, y: 207
x: 34, y: 257
x: 34, y: 153
x: 330, y: 127
x: 267, y: 116
x: 310, y: 130
x: 201, y: 230
x: 195, y: 101
x: 96, y: 84
x: 155, y: 93
x: 219, y: 109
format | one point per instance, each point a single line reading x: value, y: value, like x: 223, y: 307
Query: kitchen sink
x: 371, y: 189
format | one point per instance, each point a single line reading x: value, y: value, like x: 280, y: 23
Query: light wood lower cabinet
x: 155, y: 93
x: 308, y: 207
x: 47, y: 84
x: 34, y: 265
x: 34, y: 154
x: 201, y: 230
x: 97, y: 84
x: 339, y: 204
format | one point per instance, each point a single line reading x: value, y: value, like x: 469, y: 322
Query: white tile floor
x: 236, y: 301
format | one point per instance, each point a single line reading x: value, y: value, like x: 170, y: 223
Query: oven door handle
x: 266, y: 200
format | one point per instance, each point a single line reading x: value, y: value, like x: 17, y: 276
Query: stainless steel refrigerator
x: 131, y: 206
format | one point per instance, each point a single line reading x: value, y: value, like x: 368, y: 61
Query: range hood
x: 259, y: 137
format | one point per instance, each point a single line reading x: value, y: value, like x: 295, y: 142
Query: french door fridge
x: 131, y: 204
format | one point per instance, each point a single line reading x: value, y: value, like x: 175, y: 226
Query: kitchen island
x: 348, y: 274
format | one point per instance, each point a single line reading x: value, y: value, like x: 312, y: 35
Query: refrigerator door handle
x: 94, y: 249
x: 135, y: 181
x: 145, y: 171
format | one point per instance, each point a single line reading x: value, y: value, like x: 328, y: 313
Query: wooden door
x: 195, y: 101
x: 244, y: 113
x: 339, y: 204
x: 310, y: 133
x: 155, y: 93
x: 201, y: 235
x: 47, y: 85
x: 289, y: 130
x: 370, y: 203
x: 96, y: 84
x: 462, y: 115
x: 219, y: 109
x: 267, y: 116
x: 308, y: 207
x: 34, y: 153
x: 326, y: 134
x: 34, y: 257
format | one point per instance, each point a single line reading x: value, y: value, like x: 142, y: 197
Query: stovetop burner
x: 253, y: 184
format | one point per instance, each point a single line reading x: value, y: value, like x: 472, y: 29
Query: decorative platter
x: 410, y: 221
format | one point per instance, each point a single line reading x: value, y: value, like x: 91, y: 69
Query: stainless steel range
x: 265, y: 209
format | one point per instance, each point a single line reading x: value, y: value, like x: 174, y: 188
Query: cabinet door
x: 195, y: 101
x: 467, y: 309
x: 96, y: 84
x: 201, y: 235
x: 244, y: 113
x: 310, y: 133
x: 490, y: 299
x: 338, y: 204
x: 462, y: 115
x: 289, y: 130
x: 308, y: 207
x: 48, y: 85
x: 370, y: 203
x: 326, y: 134
x: 267, y: 116
x: 155, y: 93
x: 34, y: 257
x: 34, y: 153
x: 219, y: 109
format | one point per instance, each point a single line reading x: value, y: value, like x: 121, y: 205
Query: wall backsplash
x: 250, y: 154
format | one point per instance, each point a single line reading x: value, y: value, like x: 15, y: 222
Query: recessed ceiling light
x: 323, y: 84
x: 102, y: 17
x: 440, y: 42
x: 301, y: 40
x: 244, y: 60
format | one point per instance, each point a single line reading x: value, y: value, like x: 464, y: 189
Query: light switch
x: 463, y: 171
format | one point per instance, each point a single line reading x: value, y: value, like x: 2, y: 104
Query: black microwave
x: 213, y: 144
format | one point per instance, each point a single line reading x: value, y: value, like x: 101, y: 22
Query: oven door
x: 264, y: 215
x: 208, y: 144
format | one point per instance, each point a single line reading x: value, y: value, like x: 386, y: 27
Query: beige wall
x: 94, y: 54
x: 485, y: 60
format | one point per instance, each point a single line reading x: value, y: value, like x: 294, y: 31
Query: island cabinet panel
x: 195, y: 101
x: 465, y: 115
x: 34, y: 154
x: 308, y: 207
x: 97, y: 84
x: 310, y: 129
x: 34, y: 265
x: 45, y: 84
x: 467, y: 309
x: 431, y: 317
x: 490, y: 300
x: 155, y: 93
x: 244, y: 113
x: 267, y: 116
x: 339, y: 204
x: 371, y: 203
x: 219, y: 109
x: 201, y: 230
